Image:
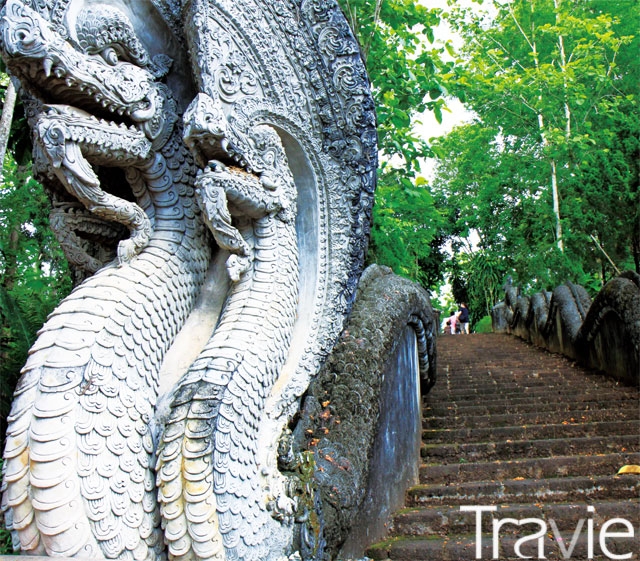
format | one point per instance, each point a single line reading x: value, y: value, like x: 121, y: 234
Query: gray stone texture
x: 349, y: 406
x: 603, y: 334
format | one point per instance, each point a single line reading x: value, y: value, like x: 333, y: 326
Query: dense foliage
x: 33, y: 271
x: 545, y: 180
x: 543, y: 185
x: 396, y: 38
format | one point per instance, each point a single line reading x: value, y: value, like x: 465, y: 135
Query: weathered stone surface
x: 348, y: 405
x: 204, y: 143
x: 603, y: 334
x: 610, y: 333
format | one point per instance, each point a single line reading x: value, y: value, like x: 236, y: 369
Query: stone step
x: 532, y: 432
x: 491, y: 451
x: 515, y: 370
x: 491, y: 407
x: 629, y: 411
x: 534, y: 468
x: 513, y: 366
x: 463, y: 548
x: 606, y: 398
x: 516, y: 391
x: 448, y: 520
x: 559, y: 489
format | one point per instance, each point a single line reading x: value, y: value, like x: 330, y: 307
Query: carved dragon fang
x: 67, y: 136
x: 255, y: 183
x: 39, y: 56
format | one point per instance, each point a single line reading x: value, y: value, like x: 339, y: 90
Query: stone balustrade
x: 603, y: 334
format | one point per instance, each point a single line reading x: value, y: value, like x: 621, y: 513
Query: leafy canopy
x: 553, y: 153
x: 396, y: 39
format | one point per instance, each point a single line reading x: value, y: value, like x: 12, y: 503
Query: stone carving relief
x: 175, y: 139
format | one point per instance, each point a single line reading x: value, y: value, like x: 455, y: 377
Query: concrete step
x: 448, y: 520
x: 532, y: 432
x: 485, y: 451
x: 563, y: 489
x: 628, y: 411
x: 534, y: 468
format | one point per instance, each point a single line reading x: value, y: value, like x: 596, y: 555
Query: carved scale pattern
x: 213, y: 428
x: 326, y: 99
x: 79, y: 455
x: 208, y: 479
x: 92, y: 374
x: 215, y: 508
x: 317, y: 35
x: 267, y: 70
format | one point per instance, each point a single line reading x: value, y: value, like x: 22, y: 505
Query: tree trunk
x: 541, y: 126
x: 5, y: 122
x: 556, y: 205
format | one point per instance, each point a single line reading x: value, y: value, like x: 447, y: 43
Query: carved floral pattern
x: 283, y: 78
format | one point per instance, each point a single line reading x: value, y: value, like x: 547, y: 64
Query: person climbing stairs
x: 520, y: 459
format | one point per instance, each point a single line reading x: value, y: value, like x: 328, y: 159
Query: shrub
x: 483, y: 326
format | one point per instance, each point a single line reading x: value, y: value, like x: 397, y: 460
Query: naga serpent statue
x: 208, y: 158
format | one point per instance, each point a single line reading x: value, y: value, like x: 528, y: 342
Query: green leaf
x: 435, y: 93
x: 429, y: 33
x: 449, y: 48
x: 437, y: 113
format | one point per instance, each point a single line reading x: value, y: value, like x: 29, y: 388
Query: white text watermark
x: 604, y: 533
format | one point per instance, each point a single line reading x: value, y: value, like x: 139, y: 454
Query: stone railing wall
x: 362, y: 418
x: 603, y: 334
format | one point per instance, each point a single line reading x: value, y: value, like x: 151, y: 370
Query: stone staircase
x: 534, y: 436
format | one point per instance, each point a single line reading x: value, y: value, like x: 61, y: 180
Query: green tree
x: 545, y: 67
x: 406, y: 231
x: 547, y: 175
x: 34, y: 274
x: 393, y: 35
x: 396, y: 39
x: 605, y: 198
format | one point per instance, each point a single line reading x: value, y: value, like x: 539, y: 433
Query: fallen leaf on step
x: 629, y: 469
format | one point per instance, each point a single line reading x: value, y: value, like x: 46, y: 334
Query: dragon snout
x: 198, y: 136
x: 206, y: 126
x: 22, y: 31
x: 207, y: 145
